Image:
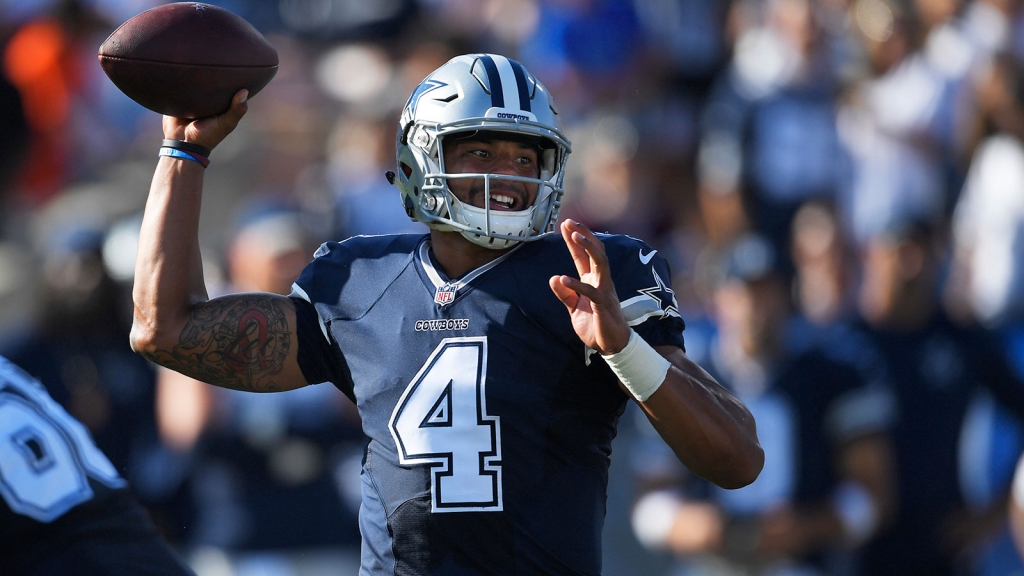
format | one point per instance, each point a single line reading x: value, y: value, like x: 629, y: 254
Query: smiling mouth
x: 501, y: 201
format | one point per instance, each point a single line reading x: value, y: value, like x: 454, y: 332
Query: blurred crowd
x: 837, y: 184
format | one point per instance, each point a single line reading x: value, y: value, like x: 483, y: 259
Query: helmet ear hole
x: 406, y: 169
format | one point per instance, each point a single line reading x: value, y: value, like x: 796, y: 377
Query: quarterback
x: 489, y: 359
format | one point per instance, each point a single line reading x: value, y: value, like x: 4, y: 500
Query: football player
x: 63, y: 507
x: 489, y: 359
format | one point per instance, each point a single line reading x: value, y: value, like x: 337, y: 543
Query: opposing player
x: 489, y: 359
x: 63, y: 507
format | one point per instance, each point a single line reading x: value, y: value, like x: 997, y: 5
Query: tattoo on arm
x: 239, y: 342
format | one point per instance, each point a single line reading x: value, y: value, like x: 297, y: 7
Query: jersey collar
x: 446, y: 290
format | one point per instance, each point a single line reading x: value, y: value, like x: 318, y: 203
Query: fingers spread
x: 588, y: 253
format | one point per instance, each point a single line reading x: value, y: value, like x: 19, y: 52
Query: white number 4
x: 441, y: 420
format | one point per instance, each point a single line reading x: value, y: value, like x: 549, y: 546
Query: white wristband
x: 639, y: 367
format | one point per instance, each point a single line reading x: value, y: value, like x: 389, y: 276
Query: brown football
x: 187, y: 59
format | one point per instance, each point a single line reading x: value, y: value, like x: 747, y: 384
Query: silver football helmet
x: 478, y: 92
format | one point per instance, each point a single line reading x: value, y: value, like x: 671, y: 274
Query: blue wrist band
x: 182, y: 155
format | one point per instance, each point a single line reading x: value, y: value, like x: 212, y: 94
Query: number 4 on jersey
x: 441, y: 420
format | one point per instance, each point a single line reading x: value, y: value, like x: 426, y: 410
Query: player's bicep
x: 242, y: 341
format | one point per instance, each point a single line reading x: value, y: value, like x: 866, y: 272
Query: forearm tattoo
x: 239, y: 342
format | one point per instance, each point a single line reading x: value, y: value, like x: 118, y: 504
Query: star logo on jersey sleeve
x: 655, y: 302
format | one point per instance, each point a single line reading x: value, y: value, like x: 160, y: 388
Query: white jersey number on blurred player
x: 46, y: 456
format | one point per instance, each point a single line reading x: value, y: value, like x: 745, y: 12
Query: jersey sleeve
x: 319, y: 357
x: 643, y: 283
x: 343, y: 281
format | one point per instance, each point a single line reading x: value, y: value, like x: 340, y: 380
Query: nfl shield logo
x: 445, y: 295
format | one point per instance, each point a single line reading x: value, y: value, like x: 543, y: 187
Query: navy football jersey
x: 489, y: 422
x: 63, y: 507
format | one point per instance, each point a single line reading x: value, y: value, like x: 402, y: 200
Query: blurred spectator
x: 44, y: 59
x: 824, y: 287
x: 824, y: 265
x: 35, y: 59
x: 16, y: 301
x: 584, y: 49
x: 273, y: 479
x: 769, y: 131
x: 948, y: 380
x: 14, y: 127
x: 988, y: 224
x: 611, y: 186
x: 1016, y: 507
x: 824, y: 290
x: 902, y: 116
x: 359, y: 153
x: 827, y: 483
x: 79, y: 350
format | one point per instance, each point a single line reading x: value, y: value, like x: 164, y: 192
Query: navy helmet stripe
x: 524, y: 88
x: 494, y: 80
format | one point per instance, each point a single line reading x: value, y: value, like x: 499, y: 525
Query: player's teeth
x: 501, y: 199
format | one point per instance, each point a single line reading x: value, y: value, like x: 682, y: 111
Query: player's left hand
x: 591, y: 300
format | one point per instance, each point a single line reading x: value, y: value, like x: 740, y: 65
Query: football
x: 187, y: 59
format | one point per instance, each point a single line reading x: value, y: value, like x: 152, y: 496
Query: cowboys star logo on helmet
x: 424, y: 87
x: 472, y: 93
